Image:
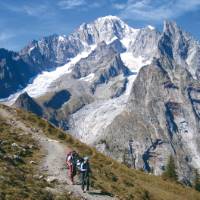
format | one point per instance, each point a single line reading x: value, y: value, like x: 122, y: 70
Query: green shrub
x: 62, y: 135
x: 170, y: 171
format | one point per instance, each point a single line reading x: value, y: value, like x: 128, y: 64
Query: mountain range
x: 115, y: 87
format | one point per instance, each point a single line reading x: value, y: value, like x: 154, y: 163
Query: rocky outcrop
x: 27, y: 103
x: 50, y: 52
x: 180, y: 47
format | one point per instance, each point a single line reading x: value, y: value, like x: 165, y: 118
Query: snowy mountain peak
x: 109, y: 18
x: 108, y: 29
x: 114, y: 21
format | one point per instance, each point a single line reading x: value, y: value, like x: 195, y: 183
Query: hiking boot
x: 72, y: 183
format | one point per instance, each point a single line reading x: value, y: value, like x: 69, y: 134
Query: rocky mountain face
x: 160, y: 120
x: 161, y: 116
x: 145, y: 43
x: 122, y: 90
x: 50, y: 52
x: 14, y: 72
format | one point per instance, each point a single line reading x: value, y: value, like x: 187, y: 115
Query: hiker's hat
x: 86, y: 158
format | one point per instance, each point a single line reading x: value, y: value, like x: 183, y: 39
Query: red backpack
x: 67, y: 157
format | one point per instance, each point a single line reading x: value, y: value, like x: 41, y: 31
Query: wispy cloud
x: 119, y: 6
x: 28, y: 9
x: 82, y: 4
x: 34, y: 11
x: 71, y: 4
x: 155, y: 10
x: 5, y: 36
x: 6, y: 40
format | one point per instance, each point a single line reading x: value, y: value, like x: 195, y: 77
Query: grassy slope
x: 19, y: 179
x: 112, y: 177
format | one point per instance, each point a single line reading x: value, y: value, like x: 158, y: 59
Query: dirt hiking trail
x: 53, y: 164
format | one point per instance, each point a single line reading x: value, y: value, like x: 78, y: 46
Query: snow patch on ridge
x: 88, y: 78
x: 129, y: 36
x: 134, y: 64
x: 31, y: 49
x: 112, y: 40
x: 151, y: 27
x: 61, y: 38
x: 189, y: 61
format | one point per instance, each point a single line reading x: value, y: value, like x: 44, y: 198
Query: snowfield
x: 94, y: 118
x: 134, y: 64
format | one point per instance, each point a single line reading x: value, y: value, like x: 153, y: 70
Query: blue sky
x: 24, y: 20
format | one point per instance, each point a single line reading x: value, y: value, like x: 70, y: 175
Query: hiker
x: 85, y: 174
x: 78, y: 167
x: 71, y: 165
